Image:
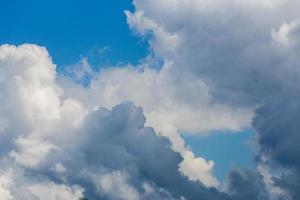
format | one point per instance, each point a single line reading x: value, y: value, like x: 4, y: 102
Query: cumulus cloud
x: 15, y: 185
x: 117, y: 140
x: 69, y: 150
x: 226, y: 65
x: 116, y: 187
x: 247, y: 53
x: 30, y: 152
x: 54, y: 148
x: 172, y: 105
x: 81, y: 150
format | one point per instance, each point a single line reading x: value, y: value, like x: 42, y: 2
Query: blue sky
x: 72, y: 29
x: 228, y: 150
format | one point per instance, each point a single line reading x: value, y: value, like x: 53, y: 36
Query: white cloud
x: 171, y: 103
x: 284, y: 36
x: 34, y: 121
x: 216, y: 59
x: 51, y: 191
x: 59, y: 168
x: 191, y: 167
x: 33, y: 111
x: 228, y: 46
x: 43, y: 134
x: 116, y: 187
x: 15, y: 185
x: 30, y: 152
x: 30, y: 76
x: 5, y: 183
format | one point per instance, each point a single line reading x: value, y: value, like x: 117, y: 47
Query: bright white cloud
x: 48, y: 137
x: 30, y: 152
x: 191, y: 165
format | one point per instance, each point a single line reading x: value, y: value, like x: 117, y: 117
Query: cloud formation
x: 54, y: 147
x: 247, y: 54
x: 226, y: 65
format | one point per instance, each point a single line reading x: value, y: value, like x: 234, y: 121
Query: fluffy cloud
x: 55, y: 147
x: 247, y: 54
x: 117, y: 141
x: 116, y: 187
x: 15, y: 185
x: 81, y: 150
x: 32, y: 113
x: 172, y: 105
x: 223, y: 63
x: 52, y: 144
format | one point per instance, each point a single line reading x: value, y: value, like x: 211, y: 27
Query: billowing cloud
x: 247, y: 185
x: 247, y: 54
x: 225, y: 65
x: 15, y: 184
x: 172, y: 105
x: 56, y: 147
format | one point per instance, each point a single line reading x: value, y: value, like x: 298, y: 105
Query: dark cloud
x: 248, y: 53
x: 246, y: 185
x: 117, y: 140
x: 116, y: 143
x: 277, y: 125
x: 290, y: 182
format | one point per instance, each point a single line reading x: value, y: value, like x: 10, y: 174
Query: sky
x: 78, y: 30
x: 228, y: 150
x: 70, y: 29
x: 149, y: 99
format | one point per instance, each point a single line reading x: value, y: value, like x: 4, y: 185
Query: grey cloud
x: 278, y: 135
x: 246, y: 185
x: 118, y: 141
x: 67, y: 150
x: 248, y: 54
x: 63, y: 148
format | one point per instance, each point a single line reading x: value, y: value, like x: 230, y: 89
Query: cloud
x: 116, y: 187
x: 29, y: 152
x: 117, y: 141
x: 247, y: 185
x: 276, y: 123
x: 172, y: 105
x: 225, y: 44
x: 55, y: 147
x: 15, y: 185
x: 246, y: 52
x: 191, y: 167
x: 283, y: 37
x: 92, y: 151
x: 224, y: 64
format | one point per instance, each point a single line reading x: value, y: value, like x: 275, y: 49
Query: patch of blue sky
x: 229, y: 150
x: 71, y: 29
